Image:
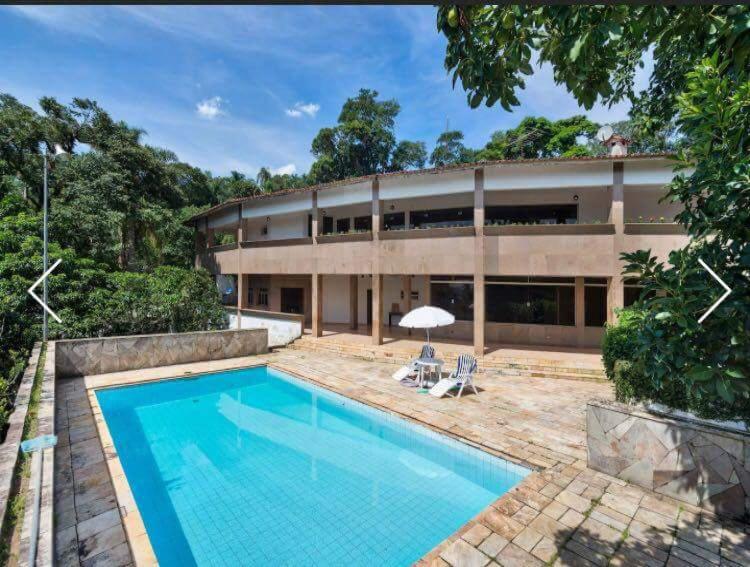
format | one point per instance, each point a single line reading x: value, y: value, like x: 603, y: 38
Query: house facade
x: 521, y: 252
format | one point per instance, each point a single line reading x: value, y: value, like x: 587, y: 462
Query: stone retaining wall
x: 704, y: 466
x: 82, y: 357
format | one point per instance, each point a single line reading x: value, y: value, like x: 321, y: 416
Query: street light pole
x: 45, y: 238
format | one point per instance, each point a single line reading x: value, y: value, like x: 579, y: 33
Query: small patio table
x: 433, y: 364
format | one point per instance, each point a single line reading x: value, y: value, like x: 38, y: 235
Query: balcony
x: 548, y: 229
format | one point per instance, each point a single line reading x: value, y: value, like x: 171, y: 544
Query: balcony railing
x: 363, y: 236
x: 277, y: 242
x: 441, y: 232
x: 548, y: 229
x: 654, y: 228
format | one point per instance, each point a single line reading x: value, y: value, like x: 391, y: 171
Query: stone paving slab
x: 562, y: 513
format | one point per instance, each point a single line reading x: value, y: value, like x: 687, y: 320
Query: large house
x: 521, y: 252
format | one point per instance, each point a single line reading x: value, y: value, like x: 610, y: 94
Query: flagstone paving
x: 562, y: 514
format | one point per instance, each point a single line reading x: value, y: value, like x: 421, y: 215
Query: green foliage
x: 450, y: 150
x: 537, y: 137
x: 594, y: 50
x: 701, y: 87
x: 620, y: 339
x: 363, y: 142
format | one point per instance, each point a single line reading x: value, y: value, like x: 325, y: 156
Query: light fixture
x: 268, y: 219
x: 392, y: 207
x: 575, y: 197
x: 59, y: 154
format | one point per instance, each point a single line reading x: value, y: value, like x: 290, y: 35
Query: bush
x: 632, y: 384
x: 620, y: 340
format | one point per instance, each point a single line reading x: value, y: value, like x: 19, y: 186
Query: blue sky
x: 237, y: 88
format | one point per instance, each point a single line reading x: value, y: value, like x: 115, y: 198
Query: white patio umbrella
x: 426, y: 317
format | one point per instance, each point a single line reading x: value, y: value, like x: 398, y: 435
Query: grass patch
x: 10, y: 534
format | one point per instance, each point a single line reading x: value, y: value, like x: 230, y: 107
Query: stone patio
x: 562, y: 513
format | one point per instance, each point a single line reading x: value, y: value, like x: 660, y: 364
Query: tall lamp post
x: 59, y: 153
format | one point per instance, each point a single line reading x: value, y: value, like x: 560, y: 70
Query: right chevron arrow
x: 722, y: 298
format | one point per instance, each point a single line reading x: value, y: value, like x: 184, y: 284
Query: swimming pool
x: 256, y: 467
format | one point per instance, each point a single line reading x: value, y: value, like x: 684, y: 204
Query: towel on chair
x: 402, y: 373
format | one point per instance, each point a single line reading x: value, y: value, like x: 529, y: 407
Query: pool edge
x: 136, y: 534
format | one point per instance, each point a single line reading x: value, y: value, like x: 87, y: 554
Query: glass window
x: 342, y: 225
x: 363, y: 223
x: 327, y: 225
x: 455, y: 296
x: 394, y: 221
x: 633, y: 292
x: 263, y: 297
x: 533, y: 303
x: 309, y: 225
x: 532, y: 214
x: 595, y: 305
x: 442, y: 218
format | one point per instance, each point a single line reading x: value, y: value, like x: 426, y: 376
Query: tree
x: 701, y: 84
x: 408, y: 155
x: 450, y: 150
x: 362, y: 143
x: 538, y: 137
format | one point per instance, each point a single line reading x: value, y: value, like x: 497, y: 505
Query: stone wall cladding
x: 83, y: 357
x: 701, y: 465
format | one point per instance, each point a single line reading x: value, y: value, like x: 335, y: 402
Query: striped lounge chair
x: 463, y: 376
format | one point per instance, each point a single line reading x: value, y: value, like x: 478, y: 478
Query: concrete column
x: 377, y: 309
x: 580, y: 312
x: 353, y: 301
x: 377, y: 277
x: 377, y: 209
x: 615, y: 291
x: 317, y: 305
x: 479, y: 303
x: 315, y: 218
x: 240, y: 278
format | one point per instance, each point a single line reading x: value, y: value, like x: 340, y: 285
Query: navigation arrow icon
x: 35, y: 296
x: 722, y: 298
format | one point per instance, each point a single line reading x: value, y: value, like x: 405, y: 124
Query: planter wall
x: 82, y: 357
x: 691, y: 462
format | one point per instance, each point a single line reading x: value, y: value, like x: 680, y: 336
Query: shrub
x: 620, y: 340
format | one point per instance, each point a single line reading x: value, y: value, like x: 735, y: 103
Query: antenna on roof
x: 604, y: 133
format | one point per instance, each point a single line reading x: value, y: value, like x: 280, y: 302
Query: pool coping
x: 135, y: 530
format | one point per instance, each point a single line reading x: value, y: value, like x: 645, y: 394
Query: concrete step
x: 504, y: 365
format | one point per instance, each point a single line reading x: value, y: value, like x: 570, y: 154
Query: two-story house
x: 521, y: 252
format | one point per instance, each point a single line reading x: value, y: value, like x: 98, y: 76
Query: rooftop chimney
x: 617, y: 145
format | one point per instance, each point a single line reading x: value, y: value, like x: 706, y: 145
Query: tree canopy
x: 363, y: 142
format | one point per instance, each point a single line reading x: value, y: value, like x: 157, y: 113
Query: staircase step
x: 505, y: 366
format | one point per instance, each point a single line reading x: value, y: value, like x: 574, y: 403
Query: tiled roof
x: 407, y: 173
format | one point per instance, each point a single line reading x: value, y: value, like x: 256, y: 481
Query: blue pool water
x: 255, y: 467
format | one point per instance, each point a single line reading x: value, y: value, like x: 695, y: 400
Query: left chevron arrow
x: 38, y: 299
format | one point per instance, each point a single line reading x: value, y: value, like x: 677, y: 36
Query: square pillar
x: 580, y: 311
x: 615, y: 291
x: 315, y: 218
x: 479, y: 302
x: 615, y: 297
x: 317, y: 305
x: 240, y: 278
x: 353, y: 301
x: 377, y: 309
x: 377, y: 209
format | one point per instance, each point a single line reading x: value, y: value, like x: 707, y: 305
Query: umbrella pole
x: 428, y: 337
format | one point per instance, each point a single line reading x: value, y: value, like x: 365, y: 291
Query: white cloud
x: 210, y: 108
x: 287, y: 169
x: 300, y: 108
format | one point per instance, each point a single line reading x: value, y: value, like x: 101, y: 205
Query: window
x: 363, y: 223
x: 342, y: 225
x: 394, y: 221
x: 263, y: 297
x: 633, y: 291
x: 455, y: 295
x: 595, y: 301
x: 327, y: 225
x: 532, y: 214
x: 250, y: 296
x: 531, y: 301
x: 442, y: 218
x: 309, y: 225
